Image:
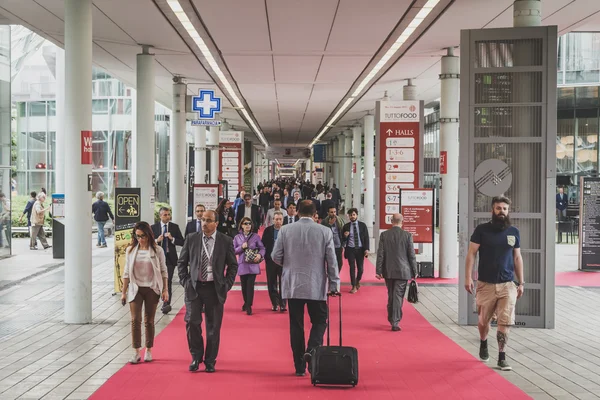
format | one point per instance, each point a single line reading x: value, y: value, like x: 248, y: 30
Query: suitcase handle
x: 328, y: 317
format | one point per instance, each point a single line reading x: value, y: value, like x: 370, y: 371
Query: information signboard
x: 230, y: 156
x: 399, y: 146
x: 127, y: 214
x: 589, y: 224
x: 417, y: 207
x: 207, y: 195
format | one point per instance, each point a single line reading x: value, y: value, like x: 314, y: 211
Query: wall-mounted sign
x: 86, y: 147
x: 230, y: 161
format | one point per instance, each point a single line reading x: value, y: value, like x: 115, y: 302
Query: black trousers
x: 247, y: 282
x: 171, y: 271
x: 340, y: 259
x: 317, y: 311
x: 207, y: 296
x: 396, y: 289
x: 274, y: 284
x: 356, y: 259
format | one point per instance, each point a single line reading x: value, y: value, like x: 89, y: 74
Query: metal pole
x: 369, y: 179
x: 450, y: 81
x: 59, y: 152
x: 357, y: 159
x: 199, y: 154
x: 177, y: 156
x: 78, y: 118
x: 213, y: 141
x: 145, y: 136
x: 527, y: 13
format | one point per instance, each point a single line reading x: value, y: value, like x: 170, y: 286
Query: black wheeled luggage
x: 334, y: 365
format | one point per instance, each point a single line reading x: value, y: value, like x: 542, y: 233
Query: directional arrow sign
x: 389, y: 131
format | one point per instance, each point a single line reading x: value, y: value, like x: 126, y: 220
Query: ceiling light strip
x: 404, y: 36
x: 189, y: 27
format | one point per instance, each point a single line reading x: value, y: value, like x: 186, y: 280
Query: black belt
x: 203, y: 283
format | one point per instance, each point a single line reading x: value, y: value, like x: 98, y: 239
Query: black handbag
x: 413, y: 292
x: 250, y: 254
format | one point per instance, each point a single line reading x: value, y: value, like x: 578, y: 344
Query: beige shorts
x: 497, y: 299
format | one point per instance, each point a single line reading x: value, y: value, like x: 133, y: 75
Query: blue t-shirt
x: 496, y: 262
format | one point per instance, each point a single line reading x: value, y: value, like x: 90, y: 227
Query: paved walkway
x: 41, y: 357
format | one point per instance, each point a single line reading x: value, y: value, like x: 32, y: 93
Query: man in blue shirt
x: 500, y: 262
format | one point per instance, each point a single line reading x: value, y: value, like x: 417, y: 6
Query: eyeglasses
x: 208, y: 221
x: 142, y: 236
x: 247, y: 223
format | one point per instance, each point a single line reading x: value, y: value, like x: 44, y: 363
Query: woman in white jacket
x: 144, y: 282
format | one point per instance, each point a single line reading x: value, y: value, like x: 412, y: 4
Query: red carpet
x: 255, y: 360
x: 578, y: 278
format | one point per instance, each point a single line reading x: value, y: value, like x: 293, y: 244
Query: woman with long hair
x: 250, y: 251
x: 144, y: 283
x: 226, y: 222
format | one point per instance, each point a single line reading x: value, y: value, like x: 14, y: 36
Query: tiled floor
x: 41, y: 357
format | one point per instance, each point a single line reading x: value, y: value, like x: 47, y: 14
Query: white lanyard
x: 208, y: 253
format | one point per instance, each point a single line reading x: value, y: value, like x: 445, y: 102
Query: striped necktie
x: 204, y: 270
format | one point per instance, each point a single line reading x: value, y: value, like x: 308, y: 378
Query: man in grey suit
x: 206, y: 283
x: 306, y: 251
x: 396, y: 262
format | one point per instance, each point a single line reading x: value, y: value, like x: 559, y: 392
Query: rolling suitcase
x: 334, y: 365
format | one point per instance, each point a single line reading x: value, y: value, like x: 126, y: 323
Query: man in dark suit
x: 273, y: 270
x: 168, y: 235
x: 249, y: 210
x: 326, y: 205
x: 195, y: 225
x: 336, y: 196
x: 396, y: 263
x: 291, y: 215
x: 356, y: 237
x: 562, y: 201
x: 211, y: 274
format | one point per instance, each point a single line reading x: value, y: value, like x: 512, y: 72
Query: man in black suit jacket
x: 168, y: 235
x: 326, y: 205
x: 195, y: 225
x: 291, y: 214
x: 211, y: 274
x: 274, y: 270
x: 254, y: 211
x: 356, y: 238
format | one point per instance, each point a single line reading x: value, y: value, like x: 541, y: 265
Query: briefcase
x: 334, y: 365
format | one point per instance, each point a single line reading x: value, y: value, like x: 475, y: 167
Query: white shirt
x: 248, y: 212
x: 210, y: 247
x: 143, y: 271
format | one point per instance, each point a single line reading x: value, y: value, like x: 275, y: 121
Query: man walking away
x: 500, y: 262
x: 102, y: 213
x: 305, y: 250
x: 274, y: 270
x: 396, y: 263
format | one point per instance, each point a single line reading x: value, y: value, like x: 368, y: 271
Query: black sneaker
x: 503, y: 366
x: 484, y: 354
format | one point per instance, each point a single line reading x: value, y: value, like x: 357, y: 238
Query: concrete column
x: 450, y: 83
x: 177, y: 156
x: 369, y: 213
x: 213, y: 140
x: 59, y: 152
x: 78, y: 117
x: 527, y: 13
x: 357, y: 159
x: 145, y: 137
x: 340, y: 163
x: 347, y: 171
x: 409, y: 91
x: 199, y: 154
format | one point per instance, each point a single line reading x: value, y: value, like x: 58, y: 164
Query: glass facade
x: 6, y: 174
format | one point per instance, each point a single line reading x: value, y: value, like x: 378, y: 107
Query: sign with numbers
x: 231, y: 167
x: 400, y: 153
x: 417, y: 207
